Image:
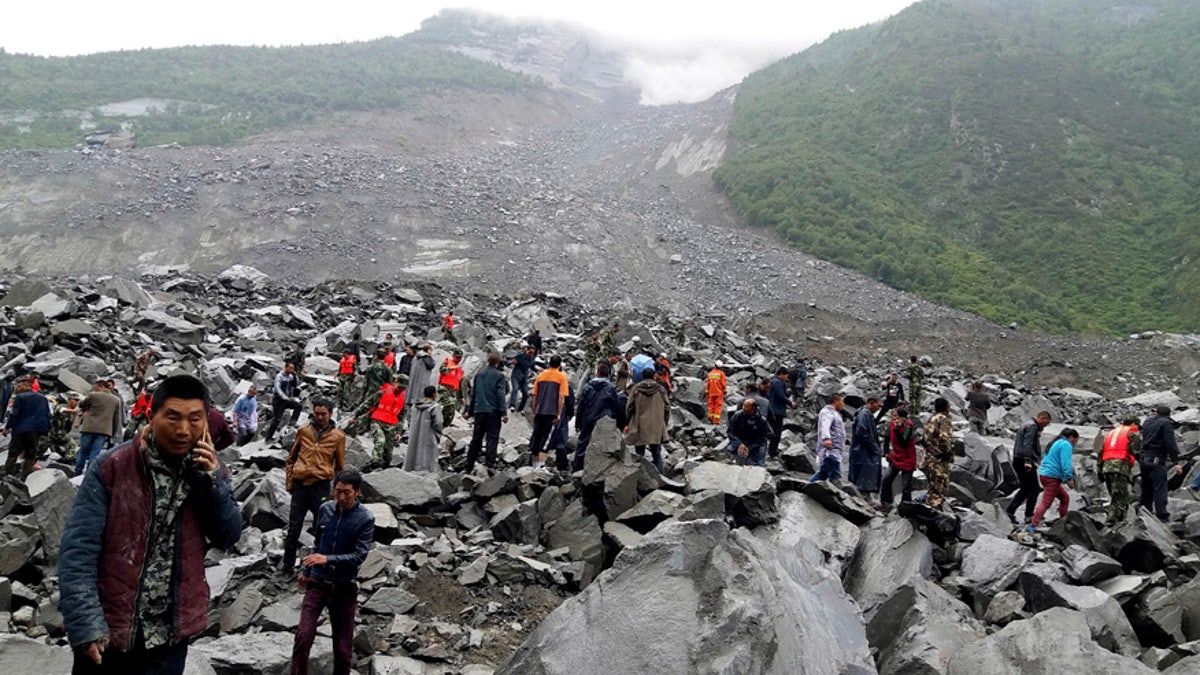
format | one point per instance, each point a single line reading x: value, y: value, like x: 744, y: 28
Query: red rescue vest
x: 1116, y: 444
x: 452, y: 375
x: 346, y: 365
x: 389, y: 406
x: 141, y: 406
x: 389, y: 359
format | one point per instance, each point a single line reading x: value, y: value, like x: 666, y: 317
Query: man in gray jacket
x: 101, y: 419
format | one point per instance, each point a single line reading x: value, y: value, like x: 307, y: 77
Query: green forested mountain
x: 221, y: 94
x: 1027, y: 160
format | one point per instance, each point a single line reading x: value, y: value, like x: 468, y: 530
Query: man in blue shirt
x: 245, y: 416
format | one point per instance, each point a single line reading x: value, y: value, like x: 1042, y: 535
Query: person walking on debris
x: 662, y: 373
x: 649, y: 413
x: 715, y: 386
x: 1159, y: 450
x: 421, y: 374
x: 798, y: 380
x: 377, y: 374
x: 1027, y: 454
x: 550, y: 391
x: 486, y: 407
x: 534, y: 339
x: 101, y: 418
x: 638, y: 365
x: 61, y: 422
x: 978, y: 404
x: 404, y: 365
x: 902, y: 460
x: 779, y: 403
x: 425, y: 434
x: 317, y: 455
x: 1055, y: 471
x: 1121, y: 448
x: 284, y: 397
x: 138, y: 416
x: 385, y: 409
x: 523, y: 365
x: 450, y: 394
x: 561, y: 433
x: 749, y: 434
x: 297, y: 358
x: 245, y: 416
x: 28, y: 422
x: 599, y: 399
x: 347, y: 372
x: 864, y: 449
x: 893, y: 394
x: 916, y: 386
x: 939, y: 453
x: 218, y: 429
x: 141, y: 365
x: 831, y: 440
x: 345, y: 532
x: 131, y: 564
x: 448, y: 326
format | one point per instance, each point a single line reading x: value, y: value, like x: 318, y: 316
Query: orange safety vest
x: 346, y: 365
x: 141, y: 406
x: 453, y: 375
x: 389, y: 406
x: 35, y: 385
x: 1116, y: 444
x: 389, y: 359
x: 716, y: 382
x: 448, y: 322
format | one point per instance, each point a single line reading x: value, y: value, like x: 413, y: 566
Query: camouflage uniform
x: 345, y: 391
x: 449, y: 399
x: 376, y: 375
x: 1118, y: 474
x: 939, y: 453
x: 60, y: 434
x: 170, y: 490
x: 916, y: 383
x: 383, y: 436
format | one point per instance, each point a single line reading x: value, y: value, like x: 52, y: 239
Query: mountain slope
x: 1027, y: 161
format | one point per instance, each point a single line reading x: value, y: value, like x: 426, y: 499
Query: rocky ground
x: 538, y: 572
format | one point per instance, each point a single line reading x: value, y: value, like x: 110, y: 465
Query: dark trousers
x: 24, y: 444
x: 558, y: 443
x: 162, y: 660
x: 520, y: 386
x: 831, y: 469
x: 342, y: 599
x: 306, y: 499
x: 888, y: 404
x: 1028, y: 492
x: 278, y: 406
x: 543, y: 426
x: 655, y: 454
x: 244, y: 437
x: 487, y: 424
x: 776, y: 423
x: 1154, y: 487
x: 885, y: 492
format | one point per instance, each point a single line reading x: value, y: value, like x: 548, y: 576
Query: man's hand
x: 93, y: 650
x: 314, y: 559
x: 1028, y: 466
x: 205, y: 456
x: 743, y: 451
x: 5, y: 432
x: 504, y: 419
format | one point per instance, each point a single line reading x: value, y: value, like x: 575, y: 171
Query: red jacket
x: 389, y: 406
x: 903, y: 455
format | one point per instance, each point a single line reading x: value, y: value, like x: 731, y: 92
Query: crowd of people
x: 155, y: 493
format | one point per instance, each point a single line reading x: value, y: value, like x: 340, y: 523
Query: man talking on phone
x: 131, y: 567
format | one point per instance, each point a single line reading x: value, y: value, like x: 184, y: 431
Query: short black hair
x: 350, y: 477
x: 901, y: 412
x: 872, y: 400
x: 556, y: 361
x: 323, y: 402
x: 602, y: 369
x: 183, y: 386
x: 781, y: 370
x: 430, y: 391
x: 941, y: 405
x: 1162, y: 411
x: 647, y: 373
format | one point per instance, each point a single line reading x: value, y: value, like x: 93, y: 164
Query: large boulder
x: 831, y: 495
x: 613, y: 480
x: 749, y: 491
x: 579, y: 532
x: 919, y: 627
x: 804, y: 522
x: 170, y: 326
x: 51, y: 493
x: 695, y: 597
x: 991, y: 565
x: 1088, y: 566
x: 1050, y: 643
x: 264, y: 654
x: 1157, y: 616
x: 892, y: 553
x: 1143, y: 543
x: 402, y: 490
x: 268, y: 505
x: 19, y: 654
x: 1107, y: 621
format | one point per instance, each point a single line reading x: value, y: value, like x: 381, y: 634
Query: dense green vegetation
x: 228, y: 93
x: 1029, y: 161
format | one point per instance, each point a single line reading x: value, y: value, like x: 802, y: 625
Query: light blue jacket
x: 1057, y: 462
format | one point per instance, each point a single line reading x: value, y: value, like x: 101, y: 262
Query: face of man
x: 252, y: 392
x: 345, y: 495
x: 764, y: 387
x: 179, y: 424
x: 289, y: 369
x: 320, y: 415
x: 874, y: 406
x: 838, y: 404
x: 1042, y: 421
x: 749, y: 406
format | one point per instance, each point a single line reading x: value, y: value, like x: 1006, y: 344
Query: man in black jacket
x: 1159, y: 450
x: 598, y: 400
x: 28, y: 422
x: 749, y: 433
x: 1027, y: 454
x: 486, y: 408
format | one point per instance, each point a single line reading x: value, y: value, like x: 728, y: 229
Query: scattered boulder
x: 892, y: 553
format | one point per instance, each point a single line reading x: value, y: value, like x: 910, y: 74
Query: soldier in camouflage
x: 450, y: 381
x: 916, y: 383
x: 1121, y: 448
x: 377, y: 374
x: 139, y: 416
x: 347, y: 372
x: 61, y: 423
x: 939, y: 453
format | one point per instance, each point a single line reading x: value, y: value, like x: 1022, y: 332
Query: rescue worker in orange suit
x: 450, y: 394
x: 715, y: 386
x: 448, y: 325
x: 1121, y: 447
x: 662, y: 373
x: 346, y: 373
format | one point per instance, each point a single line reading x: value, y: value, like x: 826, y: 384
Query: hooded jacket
x: 649, y: 413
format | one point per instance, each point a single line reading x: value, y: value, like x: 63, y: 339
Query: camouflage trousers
x: 383, y: 436
x: 914, y: 397
x: 448, y: 399
x: 62, y: 442
x: 346, y: 391
x: 132, y: 426
x: 937, y: 473
x: 1117, y: 476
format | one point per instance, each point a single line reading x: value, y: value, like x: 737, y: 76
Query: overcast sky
x: 679, y: 48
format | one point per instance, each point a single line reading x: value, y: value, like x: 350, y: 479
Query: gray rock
x: 198, y: 663
x: 72, y: 328
x: 282, y: 615
x: 243, y: 277
x: 18, y: 541
x: 51, y: 493
x: 1107, y: 621
x: 1020, y: 649
x: 52, y: 307
x: 5, y: 594
x: 402, y: 490
x: 654, y: 508
x: 580, y: 532
x: 613, y: 481
x: 518, y: 524
x: 19, y: 654
x: 402, y: 665
x: 1187, y: 666
x: 125, y: 291
x: 241, y: 612
x: 620, y: 536
x: 390, y: 600
x: 263, y: 653
x: 798, y: 457
x: 1088, y: 567
x: 1077, y: 529
x: 833, y: 497
x: 73, y: 382
x: 919, y: 627
x: 1124, y: 587
x: 892, y: 553
x: 991, y: 565
x: 1006, y: 607
x: 705, y: 504
x: 1189, y: 599
x: 1143, y: 543
x: 728, y: 602
x: 170, y: 326
x: 474, y: 572
x: 268, y: 505
x: 749, y: 492
x: 1157, y: 616
x: 972, y: 525
x: 803, y: 522
x: 387, y: 527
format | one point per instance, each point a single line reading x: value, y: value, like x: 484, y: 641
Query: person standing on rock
x: 385, y: 420
x: 141, y: 365
x: 1159, y: 450
x: 1121, y: 448
x: 131, y: 564
x: 916, y: 386
x: 487, y: 408
x: 345, y: 532
x: 1056, y: 470
x: 978, y: 404
x: 599, y: 399
x: 864, y: 449
x: 649, y: 413
x: 377, y: 374
x: 218, y: 429
x: 831, y: 440
x: 715, y: 387
x: 6, y: 393
x: 893, y: 394
x: 902, y: 460
x: 347, y: 372
x: 448, y: 326
x: 939, y: 453
x: 28, y: 422
x: 450, y: 394
x: 534, y: 339
x: 638, y: 365
x: 798, y: 380
x: 297, y: 358
x: 317, y: 455
x: 779, y: 403
x: 561, y: 433
x: 624, y: 376
x: 404, y: 365
x: 101, y: 419
x: 425, y: 434
x: 245, y: 416
x: 1027, y: 454
x: 522, y: 365
x: 420, y: 375
x: 284, y: 397
x: 62, y: 420
x: 139, y: 416
x: 550, y: 391
x: 749, y: 434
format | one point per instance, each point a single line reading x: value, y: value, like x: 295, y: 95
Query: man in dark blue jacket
x: 779, y: 404
x: 1159, y: 450
x: 28, y: 422
x: 345, y: 532
x: 486, y: 409
x: 864, y: 449
x: 749, y: 433
x: 598, y: 400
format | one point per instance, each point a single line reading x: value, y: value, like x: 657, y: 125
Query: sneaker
x: 1031, y: 529
x: 1013, y: 517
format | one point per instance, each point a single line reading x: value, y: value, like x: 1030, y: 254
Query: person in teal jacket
x: 1056, y: 471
